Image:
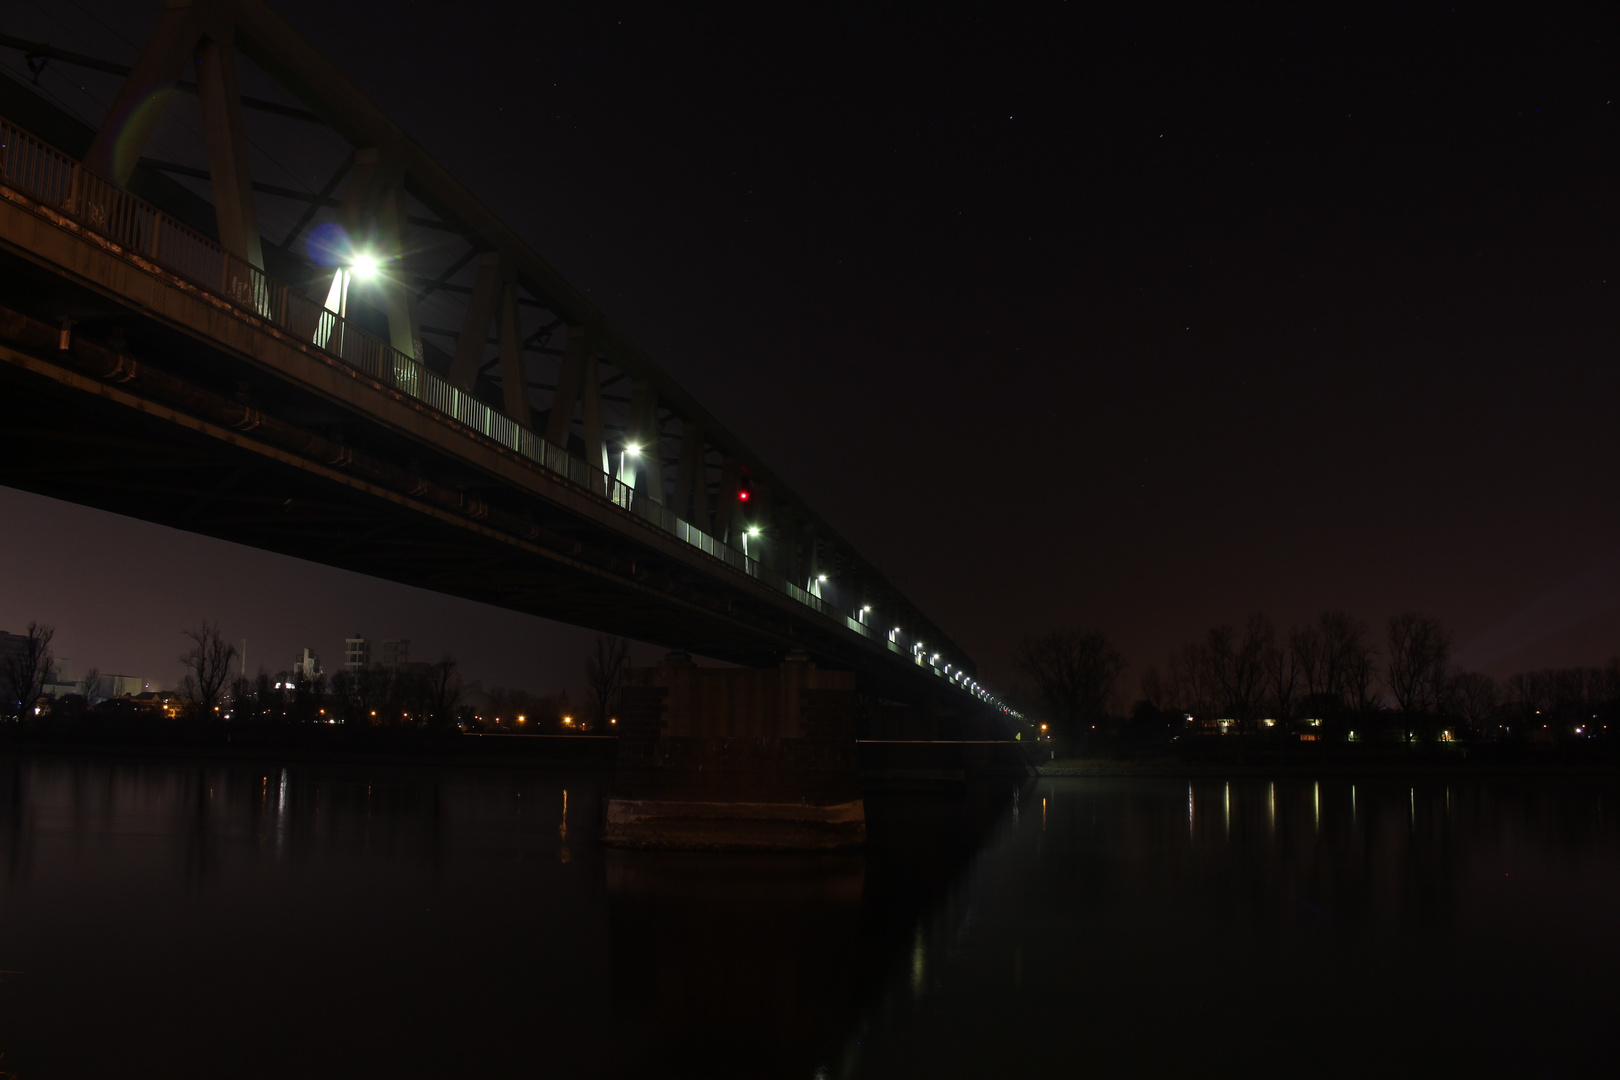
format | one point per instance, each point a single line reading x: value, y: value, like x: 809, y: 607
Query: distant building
x: 307, y: 667
x: 11, y: 645
x: 60, y: 682
x: 396, y: 653
x: 119, y: 685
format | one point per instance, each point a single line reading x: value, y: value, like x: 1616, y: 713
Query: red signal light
x: 742, y: 496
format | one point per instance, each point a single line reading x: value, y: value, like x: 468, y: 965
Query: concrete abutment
x: 736, y: 759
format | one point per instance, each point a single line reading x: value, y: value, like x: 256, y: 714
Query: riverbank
x: 884, y: 764
x: 309, y: 744
x: 1477, y: 762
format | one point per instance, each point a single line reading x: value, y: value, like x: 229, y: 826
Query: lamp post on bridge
x: 361, y: 266
x: 628, y: 450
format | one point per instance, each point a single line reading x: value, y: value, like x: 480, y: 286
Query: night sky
x: 1129, y: 317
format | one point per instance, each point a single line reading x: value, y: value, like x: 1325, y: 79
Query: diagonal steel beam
x: 320, y: 200
x: 439, y: 282
x: 32, y: 49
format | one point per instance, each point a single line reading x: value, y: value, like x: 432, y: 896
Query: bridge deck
x: 198, y: 392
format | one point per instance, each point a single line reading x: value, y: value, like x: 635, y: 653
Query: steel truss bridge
x: 162, y: 357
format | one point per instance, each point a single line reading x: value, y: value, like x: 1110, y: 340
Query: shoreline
x: 580, y: 752
x: 1105, y: 768
x: 599, y: 754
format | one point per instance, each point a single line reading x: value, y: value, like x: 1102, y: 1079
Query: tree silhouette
x: 1074, y: 672
x: 1419, y: 649
x: 441, y: 691
x: 209, y: 661
x: 605, y: 671
x: 27, y: 665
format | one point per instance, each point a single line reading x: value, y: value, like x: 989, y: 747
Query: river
x: 315, y: 919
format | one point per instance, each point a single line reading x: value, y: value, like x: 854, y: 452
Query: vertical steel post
x: 700, y: 488
x: 728, y: 521
x: 226, y: 140
x: 514, y: 373
x: 648, y: 472
x: 399, y: 297
x: 136, y: 110
x: 560, y: 421
x: 596, y: 454
x: 475, y: 325
x: 691, y: 485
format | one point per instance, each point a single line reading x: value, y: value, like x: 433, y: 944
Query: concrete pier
x: 734, y: 758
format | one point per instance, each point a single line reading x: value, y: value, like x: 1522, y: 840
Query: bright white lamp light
x: 364, y: 266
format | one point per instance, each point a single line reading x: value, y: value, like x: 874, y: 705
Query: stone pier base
x: 718, y: 758
x: 756, y: 826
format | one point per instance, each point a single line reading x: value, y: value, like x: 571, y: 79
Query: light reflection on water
x: 1157, y: 927
x: 210, y: 919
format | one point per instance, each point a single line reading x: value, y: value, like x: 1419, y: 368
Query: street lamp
x: 630, y: 449
x: 751, y: 531
x: 361, y: 265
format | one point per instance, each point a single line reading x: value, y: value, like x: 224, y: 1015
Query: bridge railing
x: 54, y: 178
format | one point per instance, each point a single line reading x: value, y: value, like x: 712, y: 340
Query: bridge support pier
x: 736, y: 759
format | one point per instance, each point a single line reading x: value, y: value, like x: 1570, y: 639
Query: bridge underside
x: 206, y: 439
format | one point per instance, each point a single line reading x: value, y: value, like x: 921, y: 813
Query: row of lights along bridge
x: 363, y: 266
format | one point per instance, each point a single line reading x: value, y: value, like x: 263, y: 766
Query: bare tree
x: 1157, y: 691
x: 1074, y: 673
x: 1419, y: 649
x: 1236, y: 663
x: 1283, y: 678
x: 95, y: 687
x: 1528, y: 693
x: 1335, y: 659
x: 209, y: 662
x: 1472, y: 696
x: 1310, y: 659
x: 27, y: 664
x: 1189, y: 680
x: 605, y: 672
x: 441, y: 688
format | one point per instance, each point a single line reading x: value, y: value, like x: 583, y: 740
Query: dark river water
x: 228, y: 919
